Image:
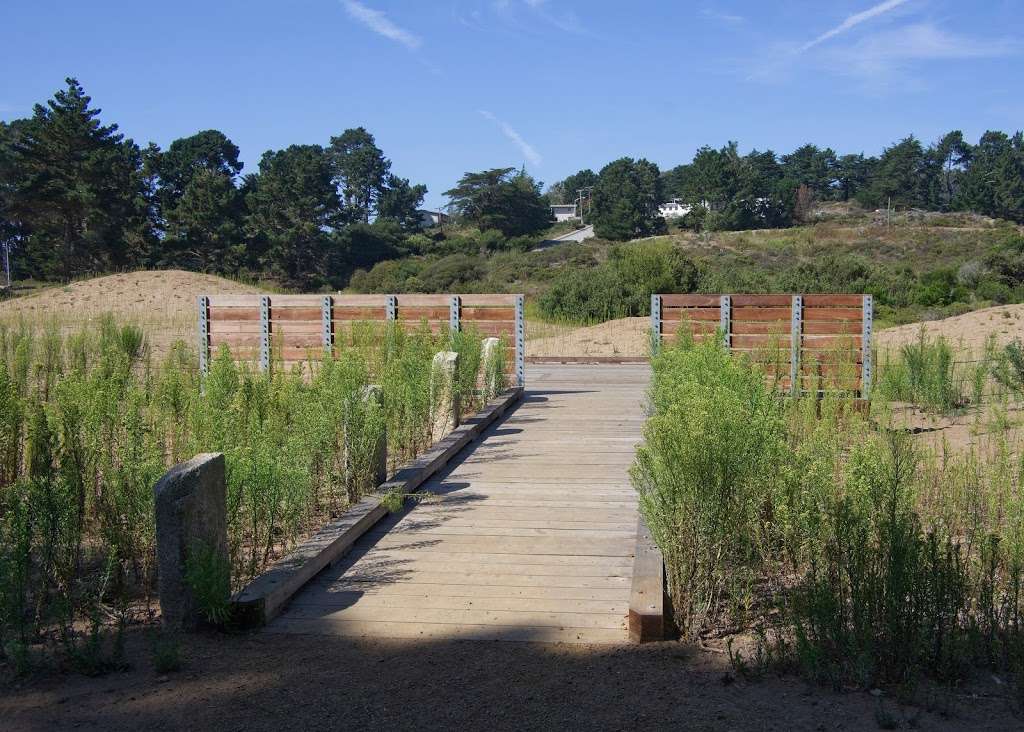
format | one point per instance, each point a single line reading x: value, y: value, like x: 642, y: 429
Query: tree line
x: 726, y: 190
x: 77, y: 197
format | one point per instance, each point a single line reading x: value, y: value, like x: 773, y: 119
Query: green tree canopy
x: 78, y: 189
x: 293, y: 208
x: 626, y: 199
x: 501, y: 199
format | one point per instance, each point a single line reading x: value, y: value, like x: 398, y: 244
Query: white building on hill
x: 674, y: 209
x: 563, y: 211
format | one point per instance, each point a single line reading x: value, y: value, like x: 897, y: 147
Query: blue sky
x: 448, y: 86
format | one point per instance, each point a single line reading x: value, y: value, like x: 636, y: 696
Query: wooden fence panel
x: 303, y: 328
x: 816, y: 342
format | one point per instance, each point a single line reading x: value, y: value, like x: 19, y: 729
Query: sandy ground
x: 162, y: 302
x: 967, y: 332
x: 626, y: 337
x: 269, y: 682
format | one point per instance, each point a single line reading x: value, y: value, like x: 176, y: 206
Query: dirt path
x: 273, y: 682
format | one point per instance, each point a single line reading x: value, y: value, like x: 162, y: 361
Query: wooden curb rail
x: 265, y: 597
x: 648, y: 607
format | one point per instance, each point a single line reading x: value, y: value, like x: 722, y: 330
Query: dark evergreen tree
x: 204, y: 228
x: 626, y: 199
x: 900, y: 177
x: 813, y: 167
x: 501, y: 199
x: 400, y: 202
x: 361, y: 170
x: 293, y: 208
x: 79, y: 190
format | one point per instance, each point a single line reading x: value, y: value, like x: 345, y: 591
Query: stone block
x: 191, y: 525
x: 445, y: 405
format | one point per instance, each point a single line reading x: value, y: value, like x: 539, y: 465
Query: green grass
x: 858, y: 555
x: 90, y: 421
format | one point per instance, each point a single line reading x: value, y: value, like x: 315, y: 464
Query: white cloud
x: 853, y: 21
x: 731, y: 18
x: 882, y: 52
x: 380, y: 24
x: 529, y: 152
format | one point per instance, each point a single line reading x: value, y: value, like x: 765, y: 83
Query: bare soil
x: 162, y: 302
x: 968, y: 332
x: 275, y: 682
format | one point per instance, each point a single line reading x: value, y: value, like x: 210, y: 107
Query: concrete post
x: 444, y: 399
x: 490, y: 366
x: 363, y: 479
x: 191, y: 521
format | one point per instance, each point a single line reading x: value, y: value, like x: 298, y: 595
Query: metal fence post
x: 725, y: 319
x: 455, y: 314
x: 204, y: 334
x: 264, y: 332
x: 326, y: 319
x: 520, y: 342
x: 655, y: 324
x: 866, y: 330
x: 796, y: 333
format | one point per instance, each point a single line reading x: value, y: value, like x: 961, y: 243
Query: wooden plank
x: 424, y: 301
x: 360, y: 301
x: 699, y: 327
x: 761, y: 301
x: 323, y: 600
x: 647, y: 620
x: 311, y: 314
x: 448, y: 631
x: 831, y: 342
x: 811, y: 314
x: 358, y: 313
x: 829, y: 327
x: 565, y: 562
x: 672, y: 313
x: 406, y: 312
x: 814, y: 301
x: 770, y: 342
x: 250, y: 301
x: 761, y: 328
x: 761, y: 314
x: 298, y: 301
x: 470, y: 616
x: 672, y: 301
x: 411, y: 588
x: 235, y: 326
x: 488, y: 328
x: 234, y: 313
x: 488, y: 300
x: 263, y: 598
x: 482, y: 313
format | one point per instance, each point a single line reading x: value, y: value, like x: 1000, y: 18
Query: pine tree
x: 80, y: 192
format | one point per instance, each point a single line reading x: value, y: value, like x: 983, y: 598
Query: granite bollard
x: 191, y: 525
x: 445, y: 405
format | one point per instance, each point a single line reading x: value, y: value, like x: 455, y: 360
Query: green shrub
x: 704, y: 475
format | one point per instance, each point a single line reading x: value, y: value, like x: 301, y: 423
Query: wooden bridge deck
x: 529, y: 535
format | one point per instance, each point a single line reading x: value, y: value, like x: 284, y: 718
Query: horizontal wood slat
x: 830, y: 332
x: 761, y: 301
x: 669, y: 314
x: 692, y: 301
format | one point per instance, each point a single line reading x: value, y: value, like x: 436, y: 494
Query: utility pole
x: 7, y: 261
x: 579, y: 197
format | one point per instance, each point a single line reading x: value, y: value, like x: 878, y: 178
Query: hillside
x: 163, y: 302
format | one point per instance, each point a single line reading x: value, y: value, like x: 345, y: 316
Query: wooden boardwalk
x: 529, y: 535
